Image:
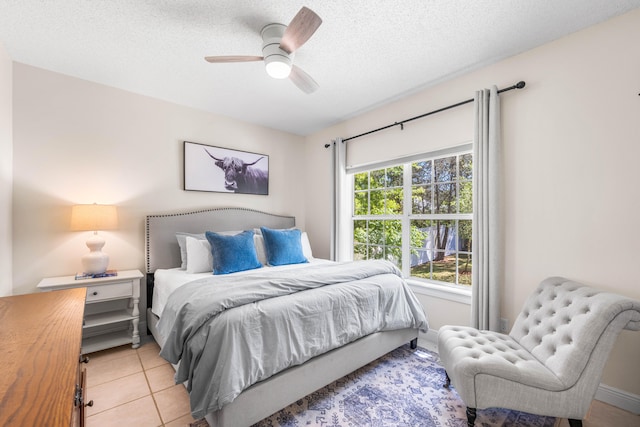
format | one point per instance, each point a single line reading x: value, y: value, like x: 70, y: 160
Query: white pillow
x: 258, y: 241
x: 306, y: 246
x: 182, y: 242
x: 181, y: 237
x: 199, y: 258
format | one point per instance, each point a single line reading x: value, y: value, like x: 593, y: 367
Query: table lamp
x: 94, y: 218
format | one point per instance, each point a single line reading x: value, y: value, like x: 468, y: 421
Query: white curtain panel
x: 487, y: 237
x: 340, y: 213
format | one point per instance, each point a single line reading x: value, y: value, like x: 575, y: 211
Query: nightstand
x: 111, y: 314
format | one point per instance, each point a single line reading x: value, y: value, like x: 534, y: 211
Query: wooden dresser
x: 41, y: 380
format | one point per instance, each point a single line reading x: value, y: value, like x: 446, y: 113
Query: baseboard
x: 431, y: 336
x: 428, y: 340
x: 620, y: 399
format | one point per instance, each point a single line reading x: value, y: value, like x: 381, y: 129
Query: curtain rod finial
x: 520, y: 84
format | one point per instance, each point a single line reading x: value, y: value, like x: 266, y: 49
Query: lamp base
x: 96, y: 261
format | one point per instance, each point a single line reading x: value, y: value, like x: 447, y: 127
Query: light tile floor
x: 134, y: 388
x: 602, y: 415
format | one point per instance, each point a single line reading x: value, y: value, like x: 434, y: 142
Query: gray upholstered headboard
x: 162, y: 249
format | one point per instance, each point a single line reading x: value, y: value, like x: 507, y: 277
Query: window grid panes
x: 379, y: 203
x: 436, y: 217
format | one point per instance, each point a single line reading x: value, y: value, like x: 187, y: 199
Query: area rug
x: 402, y: 388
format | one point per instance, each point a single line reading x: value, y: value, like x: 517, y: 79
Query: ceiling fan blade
x: 302, y: 26
x: 303, y: 80
x: 232, y: 58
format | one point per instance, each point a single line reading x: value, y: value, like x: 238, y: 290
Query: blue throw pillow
x: 283, y: 246
x: 233, y: 253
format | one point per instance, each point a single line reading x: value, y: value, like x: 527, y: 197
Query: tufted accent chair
x: 552, y: 360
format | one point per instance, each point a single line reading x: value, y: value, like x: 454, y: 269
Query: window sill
x: 440, y: 291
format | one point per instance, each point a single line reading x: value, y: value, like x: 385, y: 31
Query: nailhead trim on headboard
x: 162, y: 249
x: 279, y: 220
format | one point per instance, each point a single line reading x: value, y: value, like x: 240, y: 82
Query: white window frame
x: 444, y: 290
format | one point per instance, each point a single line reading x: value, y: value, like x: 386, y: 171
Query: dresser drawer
x: 110, y: 291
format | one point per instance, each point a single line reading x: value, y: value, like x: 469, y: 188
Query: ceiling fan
x: 279, y: 42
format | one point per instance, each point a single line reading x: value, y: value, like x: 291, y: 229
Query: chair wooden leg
x: 447, y: 380
x: 414, y: 343
x: 575, y: 423
x: 471, y: 416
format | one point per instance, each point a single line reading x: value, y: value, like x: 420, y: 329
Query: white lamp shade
x: 93, y: 217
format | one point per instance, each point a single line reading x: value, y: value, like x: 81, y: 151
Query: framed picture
x: 208, y: 168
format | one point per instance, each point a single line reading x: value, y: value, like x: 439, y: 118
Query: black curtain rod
x: 518, y: 85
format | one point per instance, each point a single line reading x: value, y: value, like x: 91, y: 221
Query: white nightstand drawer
x: 110, y: 291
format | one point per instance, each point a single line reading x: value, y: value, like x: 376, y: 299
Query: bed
x: 280, y: 388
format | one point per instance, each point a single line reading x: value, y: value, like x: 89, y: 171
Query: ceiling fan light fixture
x: 279, y: 43
x: 278, y: 67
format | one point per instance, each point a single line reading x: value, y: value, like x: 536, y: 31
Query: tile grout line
x: 119, y: 378
x: 117, y: 406
x: 144, y: 371
x: 113, y: 379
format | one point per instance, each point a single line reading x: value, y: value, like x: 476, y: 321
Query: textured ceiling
x: 366, y: 52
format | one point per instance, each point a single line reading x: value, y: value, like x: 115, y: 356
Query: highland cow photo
x: 208, y: 168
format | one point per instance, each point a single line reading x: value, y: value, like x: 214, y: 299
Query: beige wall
x: 81, y: 142
x: 571, y: 144
x: 571, y: 149
x: 6, y: 168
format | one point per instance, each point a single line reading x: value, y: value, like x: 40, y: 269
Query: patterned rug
x: 402, y: 388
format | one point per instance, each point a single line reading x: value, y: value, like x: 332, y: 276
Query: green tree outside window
x: 438, y: 215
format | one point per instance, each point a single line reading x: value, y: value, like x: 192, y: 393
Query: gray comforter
x: 231, y: 332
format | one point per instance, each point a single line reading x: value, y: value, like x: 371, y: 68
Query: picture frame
x: 224, y: 170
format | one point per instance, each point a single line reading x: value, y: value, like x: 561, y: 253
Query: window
x: 418, y: 215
